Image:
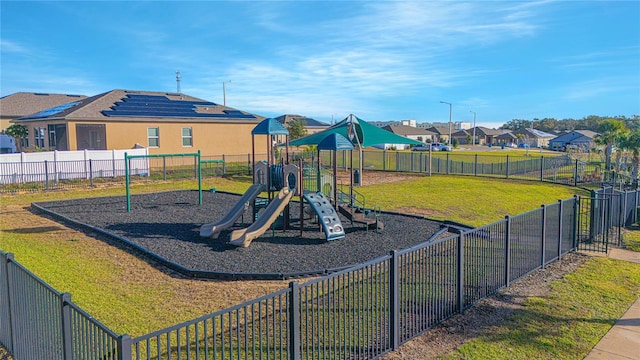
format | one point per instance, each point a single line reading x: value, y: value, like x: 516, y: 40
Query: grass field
x: 132, y: 296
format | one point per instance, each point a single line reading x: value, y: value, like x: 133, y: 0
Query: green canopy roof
x: 335, y: 141
x: 367, y: 134
x: 269, y: 126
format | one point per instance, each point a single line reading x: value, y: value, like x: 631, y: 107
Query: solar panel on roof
x: 51, y: 111
x: 139, y: 105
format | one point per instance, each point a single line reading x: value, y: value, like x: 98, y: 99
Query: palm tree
x: 631, y: 143
x: 610, y: 131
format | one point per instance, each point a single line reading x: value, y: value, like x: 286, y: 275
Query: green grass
x: 130, y: 296
x: 631, y: 239
x: 464, y: 199
x: 568, y: 322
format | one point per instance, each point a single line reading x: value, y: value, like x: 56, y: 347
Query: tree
x: 631, y: 142
x: 18, y: 132
x: 297, y: 129
x: 610, y: 132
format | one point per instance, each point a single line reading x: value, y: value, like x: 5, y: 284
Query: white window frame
x: 187, y: 137
x: 153, y: 137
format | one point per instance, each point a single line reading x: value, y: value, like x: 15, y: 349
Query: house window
x: 153, y: 137
x: 38, y: 137
x: 187, y: 137
x: 52, y: 136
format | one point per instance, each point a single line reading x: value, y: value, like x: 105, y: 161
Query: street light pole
x: 474, y: 127
x: 450, y: 106
x: 224, y: 93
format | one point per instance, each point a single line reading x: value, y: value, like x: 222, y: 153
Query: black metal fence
x: 48, y: 175
x: 37, y: 322
x: 358, y: 313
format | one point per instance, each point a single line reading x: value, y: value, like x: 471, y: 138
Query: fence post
x: 460, y: 273
x: 249, y: 163
x: 394, y: 298
x: 124, y: 347
x: 67, y: 349
x: 91, y: 173
x: 8, y: 259
x: 224, y: 165
x: 113, y: 162
x: 635, y: 207
x: 560, y: 212
x: 544, y: 233
x: 294, y: 321
x: 575, y: 174
x: 576, y: 208
x: 430, y: 161
x: 384, y: 159
x: 475, y: 166
x: 507, y: 251
x: 541, y: 168
x: 46, y: 175
x: 164, y: 168
x: 447, y: 167
x: 507, y: 166
x: 397, y: 160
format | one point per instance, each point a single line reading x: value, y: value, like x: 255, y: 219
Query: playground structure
x: 284, y: 181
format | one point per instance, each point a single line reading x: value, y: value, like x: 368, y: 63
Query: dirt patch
x: 489, y: 312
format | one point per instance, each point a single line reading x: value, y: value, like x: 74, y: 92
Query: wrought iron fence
x: 358, y: 313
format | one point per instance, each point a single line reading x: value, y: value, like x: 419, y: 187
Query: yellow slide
x: 244, y: 237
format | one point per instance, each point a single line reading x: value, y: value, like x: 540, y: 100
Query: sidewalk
x: 623, y: 340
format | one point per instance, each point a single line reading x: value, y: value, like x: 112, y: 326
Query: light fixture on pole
x: 224, y: 93
x: 450, y: 106
x: 474, y: 127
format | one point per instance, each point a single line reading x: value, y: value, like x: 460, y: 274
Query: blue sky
x: 380, y: 60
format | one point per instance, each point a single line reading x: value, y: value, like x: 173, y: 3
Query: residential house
x: 535, y: 138
x: 411, y: 133
x: 582, y: 139
x: 487, y: 136
x: 311, y: 125
x: 24, y: 103
x: 506, y: 138
x: 463, y: 137
x: 442, y: 132
x: 123, y: 119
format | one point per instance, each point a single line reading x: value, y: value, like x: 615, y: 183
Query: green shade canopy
x: 367, y: 134
x: 335, y: 141
x: 269, y: 126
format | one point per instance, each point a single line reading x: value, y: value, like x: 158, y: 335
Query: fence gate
x: 594, y: 222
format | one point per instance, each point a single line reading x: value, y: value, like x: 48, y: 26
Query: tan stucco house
x: 24, y: 103
x: 166, y: 123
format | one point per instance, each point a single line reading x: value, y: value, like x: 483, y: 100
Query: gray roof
x: 25, y: 103
x: 309, y: 122
x: 407, y: 130
x: 161, y: 106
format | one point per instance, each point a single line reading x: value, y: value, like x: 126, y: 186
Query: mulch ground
x: 167, y: 224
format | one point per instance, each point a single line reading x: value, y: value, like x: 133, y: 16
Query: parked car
x: 420, y: 148
x: 524, y: 146
x: 440, y: 147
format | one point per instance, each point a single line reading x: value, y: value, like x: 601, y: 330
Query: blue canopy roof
x: 269, y: 126
x: 335, y: 141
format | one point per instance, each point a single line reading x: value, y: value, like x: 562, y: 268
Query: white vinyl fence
x: 64, y: 165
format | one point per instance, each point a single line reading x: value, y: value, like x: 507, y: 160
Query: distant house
x: 24, y: 103
x: 411, y: 133
x: 506, y: 138
x: 487, y: 136
x: 463, y: 136
x: 579, y: 138
x: 123, y: 119
x: 311, y: 125
x: 533, y: 137
x: 442, y: 132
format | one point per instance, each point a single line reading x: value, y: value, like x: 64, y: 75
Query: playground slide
x: 331, y: 224
x: 208, y: 230
x: 244, y: 237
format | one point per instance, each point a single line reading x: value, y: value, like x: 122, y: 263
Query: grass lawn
x: 469, y: 200
x: 131, y: 296
x: 568, y: 322
x: 631, y: 238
